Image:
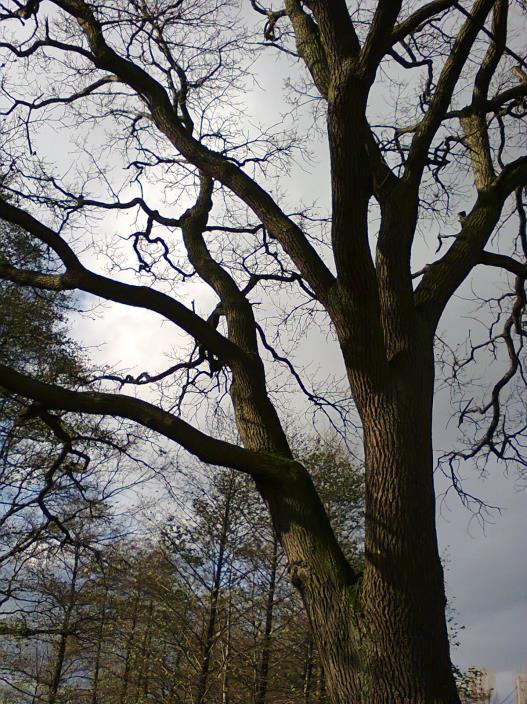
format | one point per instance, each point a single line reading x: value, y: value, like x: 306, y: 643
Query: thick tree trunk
x: 404, y: 651
x: 382, y: 639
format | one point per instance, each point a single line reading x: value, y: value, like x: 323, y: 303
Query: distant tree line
x: 201, y: 610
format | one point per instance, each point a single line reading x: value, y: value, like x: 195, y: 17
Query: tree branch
x: 259, y: 425
x: 78, y: 277
x: 412, y: 23
x: 17, y: 216
x: 494, y: 53
x: 205, y: 447
x: 443, y: 277
x: 473, y: 120
x: 379, y: 37
x: 427, y: 128
x: 309, y: 45
x: 38, y: 105
x: 503, y: 262
x: 211, y: 163
x: 336, y: 29
x: 35, y: 279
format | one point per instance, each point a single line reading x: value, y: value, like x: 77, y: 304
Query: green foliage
x: 473, y: 686
x: 33, y: 334
x: 339, y: 480
x: 51, y: 465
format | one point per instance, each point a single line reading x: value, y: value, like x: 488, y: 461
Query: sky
x: 486, y: 569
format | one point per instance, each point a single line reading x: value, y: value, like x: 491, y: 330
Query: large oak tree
x: 160, y: 77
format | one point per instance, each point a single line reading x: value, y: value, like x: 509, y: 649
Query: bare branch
x: 39, y: 104
x: 207, y: 448
x: 502, y: 261
x: 207, y: 161
x: 446, y: 83
x: 78, y: 277
x: 443, y: 277
x: 424, y: 14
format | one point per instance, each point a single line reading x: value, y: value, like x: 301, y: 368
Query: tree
x: 56, y: 475
x: 48, y: 621
x: 252, y: 640
x: 51, y: 472
x: 36, y: 481
x: 161, y: 78
x: 199, y: 608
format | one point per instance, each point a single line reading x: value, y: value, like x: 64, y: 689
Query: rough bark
x: 404, y: 642
x: 384, y: 638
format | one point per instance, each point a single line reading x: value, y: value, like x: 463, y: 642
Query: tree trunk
x: 308, y: 672
x: 128, y: 652
x: 225, y: 679
x: 98, y: 650
x: 60, y: 654
x: 405, y: 651
x: 382, y: 638
x: 402, y: 650
x: 320, y: 696
x: 143, y: 675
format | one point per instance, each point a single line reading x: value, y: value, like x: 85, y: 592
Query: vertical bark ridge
x: 404, y: 646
